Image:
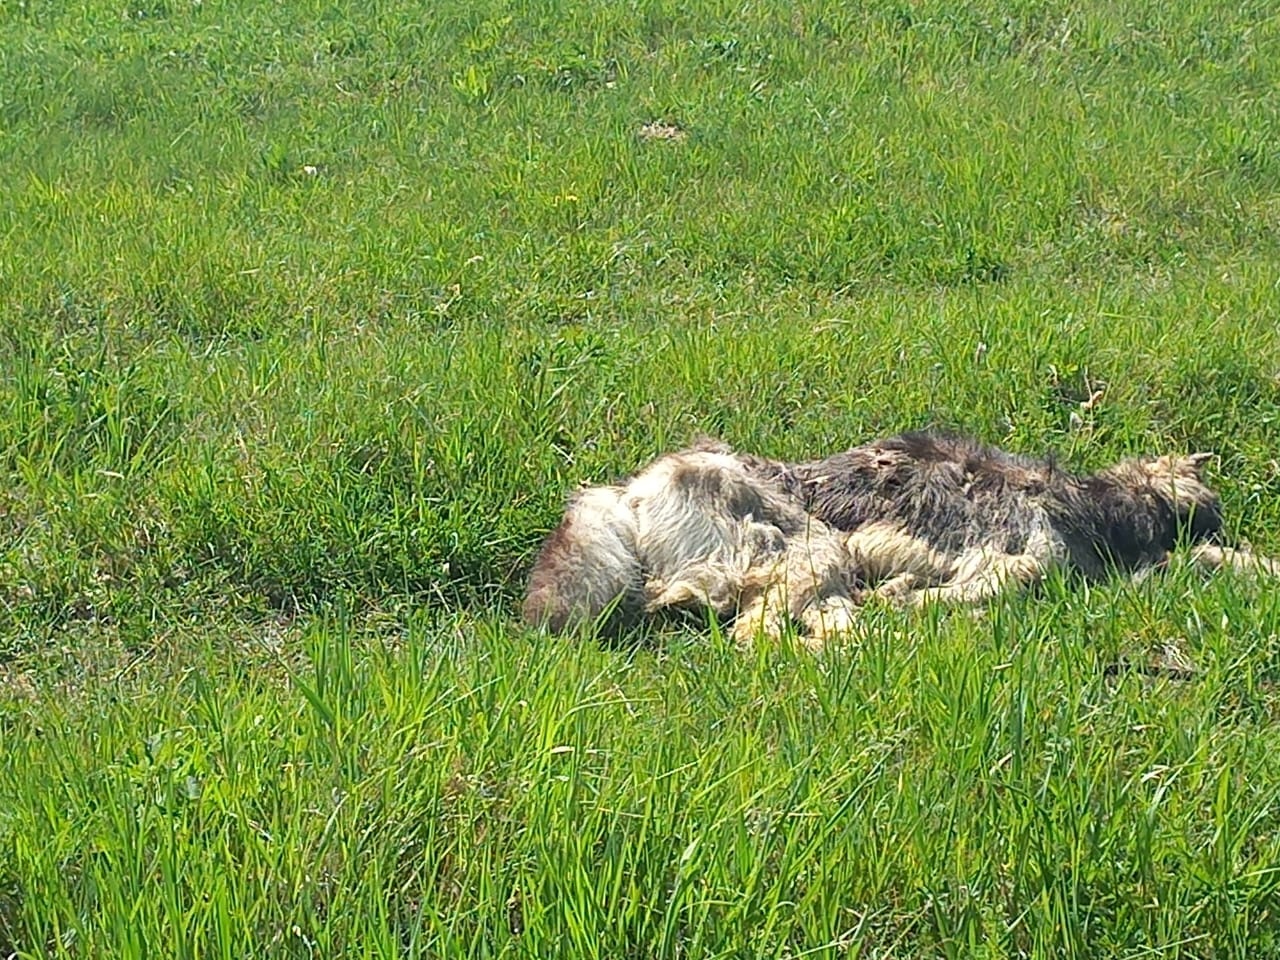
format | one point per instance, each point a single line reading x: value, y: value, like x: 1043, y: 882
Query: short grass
x: 310, y: 315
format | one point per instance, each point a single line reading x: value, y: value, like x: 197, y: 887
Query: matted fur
x: 942, y: 517
x: 915, y: 518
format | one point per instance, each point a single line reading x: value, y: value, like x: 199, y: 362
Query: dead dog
x: 941, y: 517
x: 705, y: 528
x: 916, y: 518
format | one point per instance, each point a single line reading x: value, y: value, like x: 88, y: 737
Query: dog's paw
x: 659, y: 595
x: 832, y: 617
x: 897, y: 591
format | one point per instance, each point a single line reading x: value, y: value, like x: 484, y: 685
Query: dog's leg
x: 983, y: 577
x: 1210, y: 556
x: 758, y: 618
x: 981, y: 573
x: 819, y: 574
x: 807, y: 585
x: 886, y: 554
x: 897, y: 586
x: 1146, y: 571
x: 711, y: 584
x: 715, y: 584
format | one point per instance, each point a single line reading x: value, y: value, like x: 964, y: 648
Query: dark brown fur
x: 956, y: 493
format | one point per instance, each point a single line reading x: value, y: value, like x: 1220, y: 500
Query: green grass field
x: 312, y: 313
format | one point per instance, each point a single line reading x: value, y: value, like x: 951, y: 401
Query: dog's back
x: 957, y: 494
x: 952, y: 491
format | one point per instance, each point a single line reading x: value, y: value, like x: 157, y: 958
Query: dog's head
x: 1178, y: 480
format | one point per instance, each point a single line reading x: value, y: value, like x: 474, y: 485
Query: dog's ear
x: 1198, y: 460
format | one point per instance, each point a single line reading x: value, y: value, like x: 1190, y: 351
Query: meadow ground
x: 311, y: 313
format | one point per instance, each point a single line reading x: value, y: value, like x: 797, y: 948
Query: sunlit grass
x: 309, y: 318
